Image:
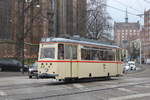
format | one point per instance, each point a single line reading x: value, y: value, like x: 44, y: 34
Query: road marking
x: 131, y: 96
x: 126, y: 90
x: 78, y: 86
x: 2, y: 93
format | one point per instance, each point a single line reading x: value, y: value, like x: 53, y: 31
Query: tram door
x: 71, y: 52
x: 118, y: 57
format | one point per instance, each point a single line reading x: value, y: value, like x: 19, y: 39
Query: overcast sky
x: 134, y: 6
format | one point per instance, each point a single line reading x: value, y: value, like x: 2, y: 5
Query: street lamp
x: 22, y: 10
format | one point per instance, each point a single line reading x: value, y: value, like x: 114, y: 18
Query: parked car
x: 148, y: 61
x: 33, y: 70
x: 126, y: 67
x: 132, y: 65
x: 10, y: 65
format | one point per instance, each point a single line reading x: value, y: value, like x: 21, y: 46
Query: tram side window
x: 74, y: 52
x: 85, y: 54
x: 70, y: 52
x: 107, y: 54
x: 61, y: 51
x: 111, y: 55
x: 67, y: 52
x: 97, y: 54
x: 89, y: 54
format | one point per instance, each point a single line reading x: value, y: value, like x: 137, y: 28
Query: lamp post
x: 22, y: 10
x: 20, y: 34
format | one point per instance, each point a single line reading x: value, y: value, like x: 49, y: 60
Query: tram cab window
x: 60, y: 51
x: 47, y: 53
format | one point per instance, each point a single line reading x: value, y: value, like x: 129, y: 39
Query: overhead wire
x: 121, y: 10
x: 127, y: 6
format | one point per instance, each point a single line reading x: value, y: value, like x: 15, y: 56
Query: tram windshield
x: 48, y: 53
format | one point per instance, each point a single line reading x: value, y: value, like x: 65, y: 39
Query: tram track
x: 87, y: 91
x: 74, y: 90
x: 22, y: 86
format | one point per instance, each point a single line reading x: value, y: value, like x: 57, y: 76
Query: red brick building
x: 146, y: 35
x: 7, y: 34
x: 51, y: 18
x: 126, y: 31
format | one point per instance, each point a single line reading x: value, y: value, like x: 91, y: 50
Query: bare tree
x: 98, y: 19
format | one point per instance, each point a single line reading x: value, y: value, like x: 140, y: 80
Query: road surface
x: 133, y: 85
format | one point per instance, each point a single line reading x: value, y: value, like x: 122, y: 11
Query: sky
x: 135, y: 7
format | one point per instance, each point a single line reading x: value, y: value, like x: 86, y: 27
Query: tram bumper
x: 46, y: 75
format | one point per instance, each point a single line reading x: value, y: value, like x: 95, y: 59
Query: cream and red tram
x: 62, y: 59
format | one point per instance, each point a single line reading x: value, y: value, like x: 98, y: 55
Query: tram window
x: 85, y: 54
x: 111, y: 55
x: 97, y: 54
x: 67, y: 52
x: 61, y: 51
x: 74, y: 52
x: 47, y: 53
x: 70, y: 49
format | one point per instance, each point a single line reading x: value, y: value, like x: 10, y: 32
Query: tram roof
x: 88, y: 42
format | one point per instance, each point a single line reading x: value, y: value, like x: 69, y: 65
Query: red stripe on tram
x: 81, y: 61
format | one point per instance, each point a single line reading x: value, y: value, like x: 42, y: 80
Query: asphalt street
x: 12, y: 74
x: 131, y: 86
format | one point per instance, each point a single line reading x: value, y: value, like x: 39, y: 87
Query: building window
x: 53, y: 4
x: 134, y: 30
x: 130, y: 30
x: 118, y: 31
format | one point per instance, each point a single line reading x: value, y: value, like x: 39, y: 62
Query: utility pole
x: 140, y: 51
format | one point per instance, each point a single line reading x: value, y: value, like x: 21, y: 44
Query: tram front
x: 47, y: 67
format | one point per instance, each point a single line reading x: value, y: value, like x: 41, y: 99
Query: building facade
x: 146, y: 35
x: 7, y: 34
x: 42, y: 18
x: 71, y: 17
x: 126, y: 32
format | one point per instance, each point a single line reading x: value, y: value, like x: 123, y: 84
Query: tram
x: 63, y: 59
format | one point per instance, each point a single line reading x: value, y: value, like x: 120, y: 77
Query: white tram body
x: 62, y: 59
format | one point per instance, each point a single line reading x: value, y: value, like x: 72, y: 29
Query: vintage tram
x: 64, y: 59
